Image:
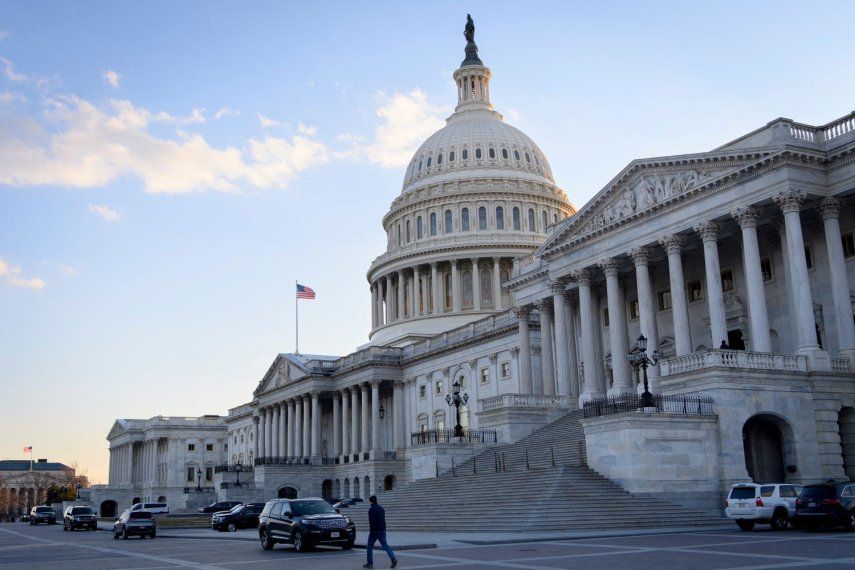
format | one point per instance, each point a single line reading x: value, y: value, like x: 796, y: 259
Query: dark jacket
x: 376, y: 518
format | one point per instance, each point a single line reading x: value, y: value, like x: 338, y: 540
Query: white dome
x: 452, y: 152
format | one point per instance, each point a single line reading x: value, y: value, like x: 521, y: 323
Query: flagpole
x: 31, y: 458
x: 296, y: 321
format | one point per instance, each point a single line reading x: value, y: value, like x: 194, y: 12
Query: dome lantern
x: 472, y: 77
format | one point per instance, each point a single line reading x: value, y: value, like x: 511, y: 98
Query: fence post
x: 526, y: 459
x: 437, y: 468
x: 552, y: 451
x: 495, y: 461
x: 453, y: 472
x: 475, y: 465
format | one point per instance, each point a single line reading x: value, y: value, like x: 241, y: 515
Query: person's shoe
x: 394, y: 562
x: 368, y: 566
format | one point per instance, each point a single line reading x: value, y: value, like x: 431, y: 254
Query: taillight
x: 830, y: 502
x: 759, y: 502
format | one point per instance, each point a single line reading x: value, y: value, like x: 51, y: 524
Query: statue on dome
x: 469, y: 31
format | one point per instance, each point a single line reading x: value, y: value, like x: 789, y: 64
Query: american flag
x: 28, y: 449
x: 304, y: 292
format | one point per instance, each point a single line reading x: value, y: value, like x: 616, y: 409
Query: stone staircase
x: 478, y: 497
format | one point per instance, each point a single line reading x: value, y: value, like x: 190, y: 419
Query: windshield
x: 302, y: 508
x: 742, y: 493
x: 44, y: 510
x: 821, y: 491
x: 237, y: 508
x: 81, y: 511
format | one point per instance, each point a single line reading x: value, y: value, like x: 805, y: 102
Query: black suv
x: 304, y: 523
x: 79, y: 517
x: 219, y: 507
x: 826, y: 504
x: 42, y: 515
x: 242, y: 516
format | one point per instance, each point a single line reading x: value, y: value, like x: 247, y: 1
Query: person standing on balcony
x: 377, y: 532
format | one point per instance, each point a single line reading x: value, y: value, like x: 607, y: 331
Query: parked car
x: 219, y: 507
x: 751, y: 503
x: 22, y: 518
x: 42, y: 515
x: 827, y: 504
x: 77, y: 516
x: 347, y: 503
x: 242, y: 516
x: 304, y: 523
x: 140, y: 523
x: 156, y: 508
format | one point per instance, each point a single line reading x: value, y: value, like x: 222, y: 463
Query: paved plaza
x: 22, y: 546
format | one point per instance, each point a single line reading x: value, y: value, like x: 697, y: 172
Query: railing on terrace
x: 447, y: 436
x: 824, y: 133
x: 522, y: 401
x: 688, y: 405
x: 232, y: 469
x: 283, y: 461
x: 840, y: 364
x: 199, y: 490
x: 732, y: 359
x: 388, y: 354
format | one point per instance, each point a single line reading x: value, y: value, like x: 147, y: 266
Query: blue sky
x: 167, y: 170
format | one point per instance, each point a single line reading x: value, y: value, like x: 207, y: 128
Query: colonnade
x: 435, y: 288
x: 136, y: 462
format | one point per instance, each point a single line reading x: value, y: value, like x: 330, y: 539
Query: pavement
x: 23, y: 546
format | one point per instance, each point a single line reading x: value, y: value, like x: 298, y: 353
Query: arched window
x: 420, y: 166
x: 554, y: 217
x: 482, y: 218
x: 536, y: 161
x: 531, y: 227
x: 503, y: 279
x: 464, y: 220
x: 478, y: 152
x: 527, y: 158
x: 439, y: 159
x: 448, y: 226
x: 428, y: 162
x: 419, y: 228
x: 433, y: 223
x: 409, y: 234
x: 446, y: 280
x: 486, y: 288
x: 466, y: 278
x: 505, y: 153
x: 500, y: 218
x: 492, y: 152
x: 451, y: 156
x: 465, y: 154
x: 439, y: 420
x: 543, y: 219
x: 399, y: 235
x: 422, y: 420
x: 516, y: 155
x: 516, y: 215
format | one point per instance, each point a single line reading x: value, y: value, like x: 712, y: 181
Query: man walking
x: 377, y: 532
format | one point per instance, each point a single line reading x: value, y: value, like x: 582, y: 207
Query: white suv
x: 154, y: 508
x: 750, y: 503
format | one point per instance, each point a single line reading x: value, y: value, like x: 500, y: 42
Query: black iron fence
x: 448, y: 436
x: 283, y: 461
x: 232, y: 468
x: 199, y: 490
x: 689, y: 405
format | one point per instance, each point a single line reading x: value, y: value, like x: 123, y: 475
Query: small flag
x: 304, y: 292
x: 28, y: 449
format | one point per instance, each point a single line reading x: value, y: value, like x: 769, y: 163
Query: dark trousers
x: 375, y: 536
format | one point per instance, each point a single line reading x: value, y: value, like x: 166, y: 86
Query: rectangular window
x: 209, y: 447
x: 605, y: 316
x: 695, y: 290
x: 422, y: 391
x: 664, y: 299
x: 848, y: 245
x: 485, y: 376
x: 438, y: 387
x: 209, y: 473
x: 808, y: 257
x: 506, y: 370
x: 766, y: 268
x: 191, y: 447
x: 727, y: 280
x: 191, y: 473
x: 225, y: 447
x: 633, y: 309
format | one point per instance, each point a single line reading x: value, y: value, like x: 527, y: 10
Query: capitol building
x: 734, y: 266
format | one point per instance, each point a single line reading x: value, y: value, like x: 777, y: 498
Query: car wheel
x: 795, y: 525
x: 300, y: 542
x: 779, y: 520
x: 745, y: 525
x: 232, y: 527
x: 115, y: 535
x: 850, y: 522
x: 266, y: 541
x: 64, y: 527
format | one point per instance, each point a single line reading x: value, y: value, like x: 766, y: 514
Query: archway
x: 109, y: 508
x: 846, y: 423
x: 136, y: 500
x: 767, y: 442
x: 287, y: 493
x: 326, y: 489
x: 357, y: 489
x: 367, y: 483
x: 388, y: 482
x: 161, y: 499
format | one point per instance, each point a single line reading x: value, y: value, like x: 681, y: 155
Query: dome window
x: 464, y: 220
x: 527, y: 158
x: 465, y: 154
x: 451, y: 156
x: 500, y: 218
x: 419, y: 228
x: 420, y: 166
x: 439, y: 159
x: 543, y: 219
x: 536, y: 161
x: 517, y: 154
x: 477, y: 153
x: 516, y: 216
x: 482, y: 218
x: 433, y: 223
x: 531, y: 227
x: 447, y: 225
x: 428, y: 162
x: 554, y: 217
x: 409, y: 234
x: 505, y: 153
x: 492, y: 152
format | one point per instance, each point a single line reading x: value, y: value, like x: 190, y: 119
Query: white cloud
x: 11, y: 275
x: 225, y: 112
x: 7, y: 97
x: 106, y: 213
x: 512, y: 114
x: 68, y: 270
x: 267, y: 122
x: 112, y: 78
x: 195, y: 116
x: 407, y: 120
x: 9, y: 71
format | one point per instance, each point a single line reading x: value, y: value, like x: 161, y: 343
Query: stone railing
x: 478, y: 237
x: 840, y: 365
x: 522, y: 401
x: 384, y: 354
x: 719, y: 358
x: 824, y: 133
x: 461, y: 334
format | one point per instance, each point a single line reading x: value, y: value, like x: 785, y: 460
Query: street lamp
x: 381, y: 412
x: 638, y: 358
x: 199, y: 479
x: 238, y: 469
x: 456, y: 400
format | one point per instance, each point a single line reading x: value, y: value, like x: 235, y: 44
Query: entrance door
x: 764, y: 452
x: 846, y: 422
x: 287, y: 493
x: 735, y: 340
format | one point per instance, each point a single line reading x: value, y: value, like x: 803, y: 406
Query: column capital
x: 497, y: 259
x: 640, y: 255
x: 493, y: 358
x: 583, y: 276
x: 475, y: 261
x: 747, y: 216
x: 556, y: 286
x: 375, y: 384
x: 453, y: 262
x: 610, y: 266
x: 336, y: 395
x: 708, y: 230
x: 433, y: 264
x: 830, y: 208
x: 789, y: 201
x: 315, y: 395
x: 522, y: 312
x: 363, y: 387
x: 544, y: 304
x: 673, y: 243
x: 515, y: 351
x: 535, y: 349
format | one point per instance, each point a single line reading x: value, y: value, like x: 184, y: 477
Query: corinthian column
x: 647, y: 307
x: 298, y: 428
x: 354, y: 420
x: 476, y: 285
x: 455, y: 286
x: 373, y: 306
x: 522, y: 314
x: 718, y: 323
x: 274, y: 432
x: 336, y: 427
x: 398, y: 415
x: 673, y: 245
x: 760, y: 338
x: 402, y: 288
x: 316, y: 426
x: 562, y: 376
x: 364, y: 407
x: 289, y: 425
x: 593, y: 382
x: 345, y: 422
x: 830, y: 208
x: 434, y: 282
x: 617, y: 328
x: 390, y: 303
x: 307, y: 425
x: 375, y: 417
x: 255, y: 436
x: 548, y: 354
x: 497, y: 284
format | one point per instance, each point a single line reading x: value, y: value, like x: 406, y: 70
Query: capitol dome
x: 477, y: 194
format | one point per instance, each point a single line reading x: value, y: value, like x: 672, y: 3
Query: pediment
x: 281, y: 372
x: 117, y: 429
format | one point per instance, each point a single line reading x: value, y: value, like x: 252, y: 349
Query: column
x: 283, y: 430
x: 298, y: 427
x: 375, y: 417
x: 155, y: 455
x: 262, y: 425
x: 455, y: 286
x: 316, y: 426
x: 548, y: 353
x: 617, y: 329
x: 715, y: 297
x: 336, y: 424
x: 291, y: 422
x: 572, y: 348
x: 354, y: 420
x: 757, y: 312
x: 425, y: 295
x: 307, y: 426
x: 593, y: 380
x: 414, y: 293
x: 434, y: 281
x: 365, y: 409
x: 255, y: 436
x: 647, y: 304
x: 673, y: 245
x: 497, y: 284
x: 476, y: 286
x: 373, y: 306
x: 830, y: 209
x: 397, y: 415
x: 402, y: 288
x: 345, y: 422
x: 522, y: 314
x: 274, y: 432
x: 560, y: 348
x: 390, y: 305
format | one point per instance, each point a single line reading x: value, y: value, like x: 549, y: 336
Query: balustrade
x: 732, y: 359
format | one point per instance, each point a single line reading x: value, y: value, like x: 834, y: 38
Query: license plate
x: 334, y: 534
x: 811, y: 504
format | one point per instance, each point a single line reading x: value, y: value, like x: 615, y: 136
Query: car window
x: 302, y: 508
x: 767, y: 491
x: 81, y: 511
x: 141, y: 515
x: 742, y: 493
x: 788, y: 491
x: 848, y: 492
x: 44, y: 510
x: 276, y: 510
x: 818, y: 491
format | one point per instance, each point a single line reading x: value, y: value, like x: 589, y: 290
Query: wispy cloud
x: 3, y: 35
x: 225, y: 112
x: 105, y: 213
x: 112, y: 78
x: 12, y: 276
x: 8, y: 69
x: 407, y: 119
x: 267, y: 122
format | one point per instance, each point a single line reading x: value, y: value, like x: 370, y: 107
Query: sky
x: 168, y: 170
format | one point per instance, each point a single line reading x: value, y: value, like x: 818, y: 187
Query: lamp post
x: 638, y: 358
x: 456, y: 400
x: 381, y: 412
x: 199, y: 479
x: 238, y: 469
